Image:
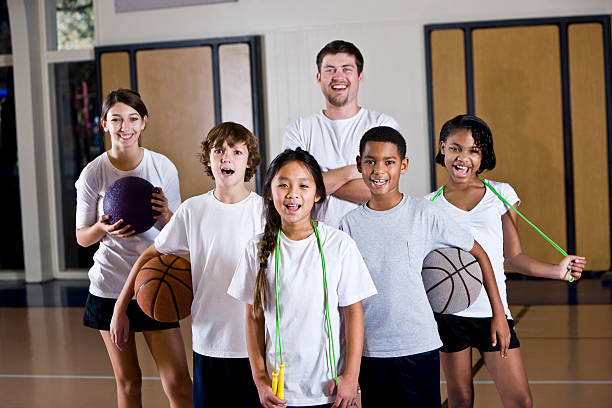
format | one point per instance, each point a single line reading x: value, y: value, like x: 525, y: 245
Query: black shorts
x: 220, y: 381
x: 458, y: 333
x: 408, y: 381
x: 99, y: 312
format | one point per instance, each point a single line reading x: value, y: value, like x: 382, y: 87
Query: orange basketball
x: 163, y: 288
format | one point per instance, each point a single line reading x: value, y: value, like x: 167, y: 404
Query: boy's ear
x: 404, y: 165
x: 358, y: 159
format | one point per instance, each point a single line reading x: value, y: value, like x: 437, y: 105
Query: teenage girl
x: 466, y: 150
x: 296, y: 278
x: 124, y: 116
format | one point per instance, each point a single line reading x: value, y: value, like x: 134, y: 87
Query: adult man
x: 332, y: 135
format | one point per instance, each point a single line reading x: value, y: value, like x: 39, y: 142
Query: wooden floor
x: 48, y: 359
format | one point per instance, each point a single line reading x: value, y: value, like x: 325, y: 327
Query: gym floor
x: 47, y: 358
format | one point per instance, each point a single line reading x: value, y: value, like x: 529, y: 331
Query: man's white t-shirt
x: 302, y: 323
x: 485, y: 223
x: 335, y: 144
x: 215, y: 235
x: 115, y: 257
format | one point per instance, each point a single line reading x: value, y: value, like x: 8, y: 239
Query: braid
x: 266, y: 245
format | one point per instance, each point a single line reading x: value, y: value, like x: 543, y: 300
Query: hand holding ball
x: 129, y: 199
x: 163, y: 288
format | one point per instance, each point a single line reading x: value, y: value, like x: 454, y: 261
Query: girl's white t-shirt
x: 215, y: 235
x: 485, y: 223
x: 115, y: 257
x: 302, y: 324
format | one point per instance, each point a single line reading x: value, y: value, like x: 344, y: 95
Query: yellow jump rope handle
x: 274, y: 382
x: 280, y: 392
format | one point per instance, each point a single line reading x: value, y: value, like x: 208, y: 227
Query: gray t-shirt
x: 399, y: 321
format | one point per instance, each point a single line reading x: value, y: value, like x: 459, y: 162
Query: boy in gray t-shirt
x: 400, y: 364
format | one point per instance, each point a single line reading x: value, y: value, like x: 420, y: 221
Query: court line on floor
x: 110, y: 377
x: 551, y: 382
x: 70, y: 377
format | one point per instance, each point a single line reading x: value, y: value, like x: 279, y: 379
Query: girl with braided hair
x: 296, y: 278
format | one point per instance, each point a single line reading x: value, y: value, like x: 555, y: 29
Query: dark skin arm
x: 499, y: 325
x: 518, y: 261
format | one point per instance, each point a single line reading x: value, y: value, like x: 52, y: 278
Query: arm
x: 336, y: 178
x: 347, y: 382
x: 119, y: 326
x: 346, y: 183
x: 87, y: 236
x: 518, y: 261
x: 256, y: 346
x: 354, y: 191
x: 499, y: 324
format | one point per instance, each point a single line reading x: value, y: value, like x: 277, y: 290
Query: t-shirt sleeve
x: 355, y: 282
x: 243, y: 282
x: 171, y: 187
x: 87, y: 198
x: 447, y: 233
x: 386, y: 120
x: 510, y: 195
x: 292, y: 138
x: 173, y: 238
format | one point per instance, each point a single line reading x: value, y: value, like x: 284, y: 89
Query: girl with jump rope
x: 488, y: 209
x: 296, y: 277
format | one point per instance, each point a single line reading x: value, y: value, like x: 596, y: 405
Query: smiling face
x: 124, y: 124
x: 462, y: 157
x: 339, y: 79
x: 381, y: 166
x: 229, y: 163
x: 294, y: 193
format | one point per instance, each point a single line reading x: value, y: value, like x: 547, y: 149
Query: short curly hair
x: 233, y: 133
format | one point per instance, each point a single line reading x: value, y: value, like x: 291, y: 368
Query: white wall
x: 389, y: 34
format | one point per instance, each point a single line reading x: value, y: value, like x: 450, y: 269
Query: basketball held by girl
x: 484, y: 207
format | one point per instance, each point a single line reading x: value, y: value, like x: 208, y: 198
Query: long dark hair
x: 273, y: 219
x: 480, y: 132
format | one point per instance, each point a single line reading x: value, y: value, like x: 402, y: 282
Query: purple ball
x: 130, y: 198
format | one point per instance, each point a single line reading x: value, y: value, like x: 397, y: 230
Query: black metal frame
x: 563, y: 23
x: 254, y: 43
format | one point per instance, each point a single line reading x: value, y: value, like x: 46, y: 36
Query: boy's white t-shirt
x: 215, y: 235
x: 115, y: 257
x: 485, y: 223
x: 303, y: 334
x: 335, y: 144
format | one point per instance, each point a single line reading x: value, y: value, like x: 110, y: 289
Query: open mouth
x: 227, y: 172
x: 292, y: 208
x: 461, y: 171
x: 339, y: 87
x: 379, y: 182
x: 125, y: 136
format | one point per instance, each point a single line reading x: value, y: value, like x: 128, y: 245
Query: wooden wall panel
x: 449, y: 88
x: 517, y: 81
x: 235, y: 83
x: 114, y: 73
x: 590, y: 149
x: 177, y: 86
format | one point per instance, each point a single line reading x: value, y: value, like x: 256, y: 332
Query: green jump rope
x: 570, y: 278
x: 278, y: 376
